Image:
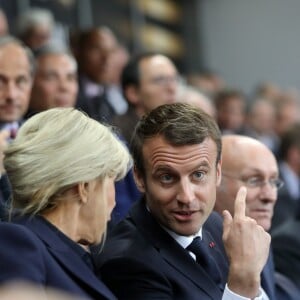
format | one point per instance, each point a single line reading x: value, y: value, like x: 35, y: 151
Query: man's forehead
x: 158, y: 149
x: 154, y: 62
x: 7, y: 48
x: 14, y: 55
x: 48, y: 59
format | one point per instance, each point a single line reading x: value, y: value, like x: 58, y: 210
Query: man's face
x: 231, y: 114
x: 246, y: 163
x: 55, y: 83
x: 15, y: 83
x: 95, y: 55
x: 158, y: 82
x: 180, y: 183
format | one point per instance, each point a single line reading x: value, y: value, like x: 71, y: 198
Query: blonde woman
x: 62, y: 167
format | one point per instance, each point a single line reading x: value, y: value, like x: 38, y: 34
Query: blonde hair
x: 56, y: 149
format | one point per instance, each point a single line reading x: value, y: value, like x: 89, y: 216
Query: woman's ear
x: 139, y: 180
x: 83, y: 191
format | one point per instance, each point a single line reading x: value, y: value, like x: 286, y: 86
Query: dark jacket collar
x: 64, y: 254
x: 172, y: 252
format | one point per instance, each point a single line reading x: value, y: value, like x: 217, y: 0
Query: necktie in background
x: 205, y: 259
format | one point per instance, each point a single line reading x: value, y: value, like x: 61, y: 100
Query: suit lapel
x: 172, y: 252
x: 66, y: 257
x: 217, y: 253
x: 267, y: 277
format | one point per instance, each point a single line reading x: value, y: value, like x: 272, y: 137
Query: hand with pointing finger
x: 247, y: 246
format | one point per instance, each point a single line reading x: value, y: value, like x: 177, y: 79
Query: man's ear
x: 139, y: 180
x: 83, y: 191
x: 131, y: 94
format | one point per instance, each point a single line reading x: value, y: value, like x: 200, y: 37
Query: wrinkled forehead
x: 158, y: 152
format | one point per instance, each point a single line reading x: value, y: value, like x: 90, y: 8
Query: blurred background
x: 245, y: 42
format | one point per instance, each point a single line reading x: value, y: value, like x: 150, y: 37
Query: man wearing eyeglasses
x: 248, y: 162
x: 149, y: 80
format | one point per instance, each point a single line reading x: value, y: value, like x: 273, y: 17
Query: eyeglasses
x: 258, y: 182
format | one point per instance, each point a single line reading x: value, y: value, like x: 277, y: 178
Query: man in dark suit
x: 16, y: 71
x: 148, y: 80
x: 170, y: 246
x: 247, y: 161
x: 94, y: 47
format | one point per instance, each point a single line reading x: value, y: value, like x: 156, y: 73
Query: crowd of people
x: 122, y: 178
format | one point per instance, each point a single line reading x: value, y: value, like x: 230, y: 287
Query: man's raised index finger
x: 240, y: 203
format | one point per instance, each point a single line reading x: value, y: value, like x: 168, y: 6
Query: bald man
x: 248, y: 162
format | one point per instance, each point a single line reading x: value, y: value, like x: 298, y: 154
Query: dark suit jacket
x: 31, y: 251
x: 140, y: 260
x: 286, y: 249
x: 285, y: 207
x: 126, y: 123
x: 96, y: 107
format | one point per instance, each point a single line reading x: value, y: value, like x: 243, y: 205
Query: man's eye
x: 166, y: 178
x: 254, y: 181
x: 23, y: 82
x: 198, y: 175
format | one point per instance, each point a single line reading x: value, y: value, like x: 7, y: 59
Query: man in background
x: 55, y: 82
x: 248, y: 162
x: 148, y: 80
x: 16, y: 71
x: 93, y: 48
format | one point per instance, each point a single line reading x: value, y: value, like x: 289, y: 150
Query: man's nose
x: 268, y: 191
x: 11, y: 91
x: 186, y: 192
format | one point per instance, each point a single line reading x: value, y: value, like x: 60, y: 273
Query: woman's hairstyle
x: 56, y: 149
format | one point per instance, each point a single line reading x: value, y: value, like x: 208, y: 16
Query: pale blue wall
x: 251, y: 40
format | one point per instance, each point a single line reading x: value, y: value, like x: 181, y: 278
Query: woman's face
x: 101, y: 201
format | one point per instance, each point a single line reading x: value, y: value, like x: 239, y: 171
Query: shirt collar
x: 291, y: 180
x: 183, y: 241
x: 92, y: 89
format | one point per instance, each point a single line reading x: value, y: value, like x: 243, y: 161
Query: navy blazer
x: 140, y: 260
x: 31, y: 251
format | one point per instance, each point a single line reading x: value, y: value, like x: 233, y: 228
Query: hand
x: 247, y: 246
x: 4, y: 135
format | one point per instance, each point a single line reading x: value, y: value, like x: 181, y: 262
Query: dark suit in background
x: 95, y: 104
x: 287, y: 204
x: 286, y: 249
